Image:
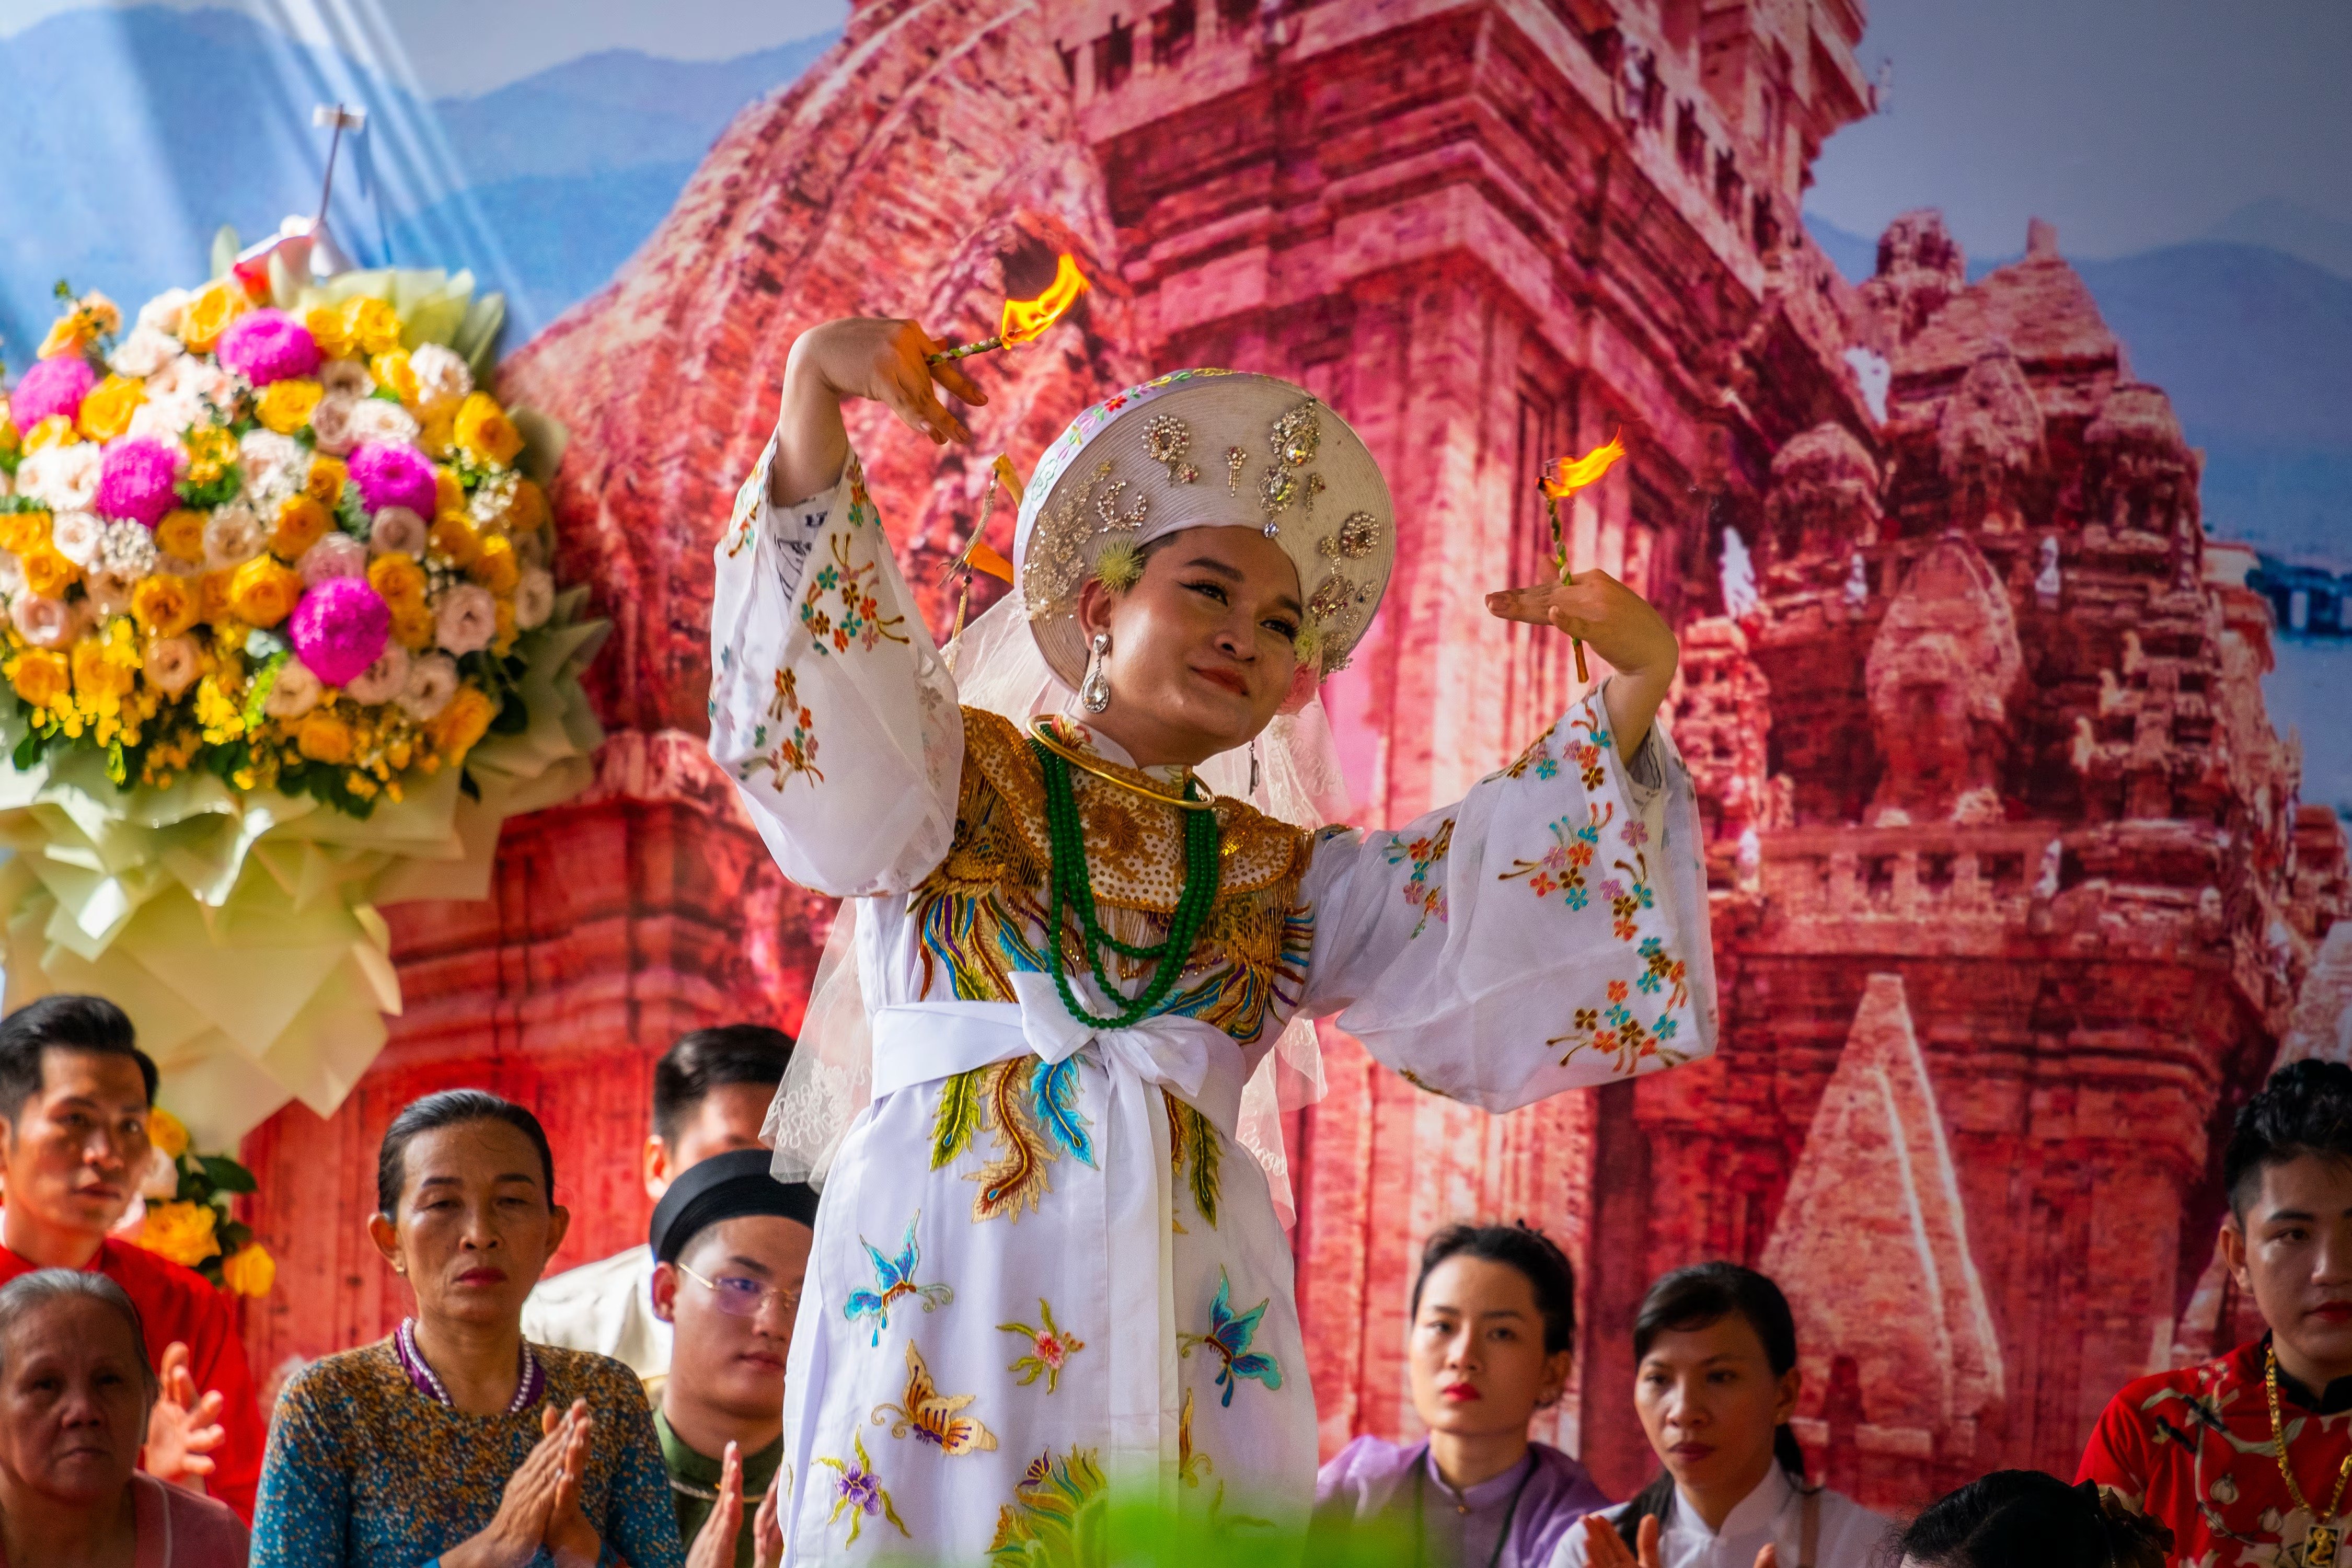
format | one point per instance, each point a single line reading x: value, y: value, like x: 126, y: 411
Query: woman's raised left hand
x: 182, y: 1429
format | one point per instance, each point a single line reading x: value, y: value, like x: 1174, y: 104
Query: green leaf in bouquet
x: 27, y: 754
x: 544, y: 439
x: 219, y: 492
x: 225, y: 1174
x: 232, y: 1234
x: 476, y: 337
x: 352, y: 513
x: 512, y: 718
x: 224, y: 249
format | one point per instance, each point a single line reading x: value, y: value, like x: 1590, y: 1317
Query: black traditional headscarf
x: 722, y: 1188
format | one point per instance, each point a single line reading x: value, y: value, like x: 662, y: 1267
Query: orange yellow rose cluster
x: 292, y: 548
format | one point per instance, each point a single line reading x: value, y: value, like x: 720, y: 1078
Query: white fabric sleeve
x: 1547, y: 933
x: 829, y: 705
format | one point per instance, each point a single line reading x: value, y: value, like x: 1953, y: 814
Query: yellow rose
x: 454, y: 537
x: 250, y: 1270
x: 49, y: 573
x: 285, y: 404
x: 181, y: 534
x: 180, y: 1232
x: 42, y: 679
x: 371, y: 325
x: 528, y: 509
x: 448, y: 492
x: 484, y: 429
x: 323, y: 738
x: 494, y: 567
x: 413, y: 628
x: 213, y: 596
x: 96, y: 677
x: 264, y: 593
x: 106, y: 412
x: 465, y: 721
x: 324, y: 484
x: 163, y: 606
x: 301, y: 523
x: 167, y: 1133
x: 211, y: 448
x: 329, y: 331
x: 392, y: 369
x: 436, y: 433
x: 397, y: 580
x: 214, y: 308
x: 68, y: 334
x: 21, y: 532
x: 56, y: 430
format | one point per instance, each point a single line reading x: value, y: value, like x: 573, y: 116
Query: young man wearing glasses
x: 731, y: 1245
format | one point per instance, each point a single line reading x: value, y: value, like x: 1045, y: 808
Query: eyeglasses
x: 740, y: 1298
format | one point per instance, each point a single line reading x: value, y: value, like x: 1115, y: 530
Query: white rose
x: 442, y: 378
x: 79, y: 537
x: 346, y: 378
x: 233, y: 536
x: 381, y: 419
x: 385, y: 680
x: 330, y: 424
x: 12, y: 576
x: 63, y: 476
x: 465, y: 620
x: 336, y: 555
x: 162, y: 312
x: 396, y: 529
x: 173, y: 664
x: 146, y: 350
x: 165, y: 418
x: 432, y: 681
x: 294, y: 693
x: 534, y: 597
x: 274, y: 466
x: 130, y: 549
x: 110, y: 592
x: 44, y: 623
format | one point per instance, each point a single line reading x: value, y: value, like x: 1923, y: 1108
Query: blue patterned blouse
x: 364, y: 1472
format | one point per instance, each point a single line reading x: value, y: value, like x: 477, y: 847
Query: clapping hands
x: 1603, y: 1548
x: 541, y: 1506
x: 714, y: 1546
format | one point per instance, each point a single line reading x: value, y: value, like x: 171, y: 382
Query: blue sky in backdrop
x: 2192, y: 153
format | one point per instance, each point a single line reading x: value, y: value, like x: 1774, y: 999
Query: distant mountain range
x: 135, y: 134
x: 2254, y: 346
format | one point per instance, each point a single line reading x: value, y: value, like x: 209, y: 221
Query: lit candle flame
x: 1569, y: 475
x: 1026, y: 321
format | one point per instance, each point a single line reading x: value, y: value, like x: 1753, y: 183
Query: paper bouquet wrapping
x: 281, y: 646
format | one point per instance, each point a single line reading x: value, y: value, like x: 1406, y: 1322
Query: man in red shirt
x: 75, y: 1091
x: 2246, y: 1459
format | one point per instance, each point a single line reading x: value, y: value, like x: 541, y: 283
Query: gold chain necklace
x: 2319, y: 1546
x: 1046, y: 737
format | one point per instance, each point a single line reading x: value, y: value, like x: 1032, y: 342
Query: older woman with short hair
x: 452, y: 1441
x: 76, y: 1388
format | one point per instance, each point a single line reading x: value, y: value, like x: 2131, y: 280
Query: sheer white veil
x: 998, y: 666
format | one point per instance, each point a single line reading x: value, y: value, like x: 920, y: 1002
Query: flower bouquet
x: 186, y: 1219
x: 283, y: 644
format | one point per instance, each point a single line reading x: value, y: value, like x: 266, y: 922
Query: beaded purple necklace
x: 529, y: 1387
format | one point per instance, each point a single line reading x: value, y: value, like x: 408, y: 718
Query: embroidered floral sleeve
x: 829, y: 706
x: 1546, y: 931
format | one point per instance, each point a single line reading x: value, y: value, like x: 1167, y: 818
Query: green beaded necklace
x: 1068, y: 881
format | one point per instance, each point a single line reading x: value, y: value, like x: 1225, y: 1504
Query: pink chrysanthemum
x: 339, y: 629
x: 392, y: 473
x: 135, y: 479
x: 267, y: 345
x: 51, y: 386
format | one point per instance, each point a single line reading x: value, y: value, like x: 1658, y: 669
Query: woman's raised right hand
x: 520, y: 1526
x: 877, y: 357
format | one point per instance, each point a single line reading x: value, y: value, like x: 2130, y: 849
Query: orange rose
x: 209, y: 313
x: 437, y: 435
x: 264, y: 593
x: 484, y: 429
x: 42, y: 679
x: 465, y: 721
x: 181, y: 534
x: 397, y: 580
x: 494, y: 566
x: 392, y: 369
x: 163, y: 605
x: 250, y: 1270
x: 528, y: 509
x: 95, y: 676
x: 21, y: 532
x: 49, y: 573
x: 454, y: 536
x: 56, y: 430
x: 325, y: 481
x: 329, y: 331
x: 323, y: 738
x: 301, y: 523
x: 449, y: 494
x: 413, y: 627
x: 285, y: 404
x: 214, y: 599
x: 180, y: 1232
x: 371, y: 323
x: 106, y: 412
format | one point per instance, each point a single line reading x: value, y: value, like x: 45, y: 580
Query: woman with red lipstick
x: 1494, y: 1311
x: 454, y: 1442
x: 1091, y: 887
x: 1715, y: 1382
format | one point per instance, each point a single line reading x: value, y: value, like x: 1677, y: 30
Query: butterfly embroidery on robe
x: 893, y: 1277
x: 1229, y: 1337
x: 1055, y: 1515
x: 931, y: 1415
x: 1050, y: 1349
x: 859, y: 1492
